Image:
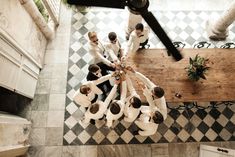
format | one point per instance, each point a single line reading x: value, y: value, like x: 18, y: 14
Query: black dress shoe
x: 92, y: 121
x: 136, y: 132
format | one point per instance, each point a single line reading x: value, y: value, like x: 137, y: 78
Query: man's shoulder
x: 88, y: 83
x: 107, y: 44
x: 133, y: 34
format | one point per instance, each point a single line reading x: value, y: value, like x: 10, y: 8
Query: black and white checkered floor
x: 186, y: 27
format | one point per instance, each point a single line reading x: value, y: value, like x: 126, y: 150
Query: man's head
x: 93, y: 37
x: 95, y: 69
x: 139, y: 29
x: 158, y: 92
x: 84, y: 89
x: 94, y: 108
x: 112, y: 37
x: 157, y: 117
x: 135, y: 102
x: 115, y: 108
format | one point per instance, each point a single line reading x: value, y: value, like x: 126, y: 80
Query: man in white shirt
x: 114, y: 47
x: 133, y: 20
x: 96, y: 110
x: 88, y: 92
x: 147, y: 122
x: 115, y: 110
x: 138, y: 38
x: 154, y: 95
x: 97, y: 50
x: 133, y: 103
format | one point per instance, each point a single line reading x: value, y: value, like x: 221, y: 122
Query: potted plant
x: 197, y: 68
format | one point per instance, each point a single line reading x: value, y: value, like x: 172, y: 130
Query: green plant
x: 42, y: 9
x: 197, y: 68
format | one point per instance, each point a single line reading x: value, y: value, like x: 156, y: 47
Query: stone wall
x: 16, y: 21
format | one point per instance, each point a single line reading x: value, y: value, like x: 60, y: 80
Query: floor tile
x: 184, y: 27
x: 55, y: 119
x: 54, y: 136
x: 57, y: 101
x: 39, y: 118
x: 40, y: 102
x: 53, y: 151
x: 38, y: 136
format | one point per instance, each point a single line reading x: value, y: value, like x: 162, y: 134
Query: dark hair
x: 94, y: 108
x: 84, y: 89
x: 112, y: 36
x: 115, y: 108
x: 93, y: 68
x: 139, y: 26
x: 158, y: 92
x: 136, y: 102
x: 157, y: 117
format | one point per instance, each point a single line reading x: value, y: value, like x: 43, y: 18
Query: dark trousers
x: 105, y: 68
x: 142, y: 45
x: 104, y: 71
x: 94, y: 100
x: 105, y: 87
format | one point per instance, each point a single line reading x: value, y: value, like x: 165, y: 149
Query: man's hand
x: 117, y: 82
x: 123, y: 76
x: 113, y: 65
x: 123, y: 58
x: 130, y: 69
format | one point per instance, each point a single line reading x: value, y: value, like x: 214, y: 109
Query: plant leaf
x: 203, y: 76
x: 190, y: 61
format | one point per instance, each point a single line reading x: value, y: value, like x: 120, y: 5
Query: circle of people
x: 105, y: 95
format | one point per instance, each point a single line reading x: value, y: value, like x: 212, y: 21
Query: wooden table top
x: 172, y: 76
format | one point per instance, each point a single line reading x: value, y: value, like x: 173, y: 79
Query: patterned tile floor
x: 186, y: 27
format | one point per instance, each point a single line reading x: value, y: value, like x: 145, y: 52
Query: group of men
x: 105, y: 95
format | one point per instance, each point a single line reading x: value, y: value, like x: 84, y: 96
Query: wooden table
x: 172, y: 76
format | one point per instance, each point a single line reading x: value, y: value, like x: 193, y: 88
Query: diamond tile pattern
x: 187, y: 30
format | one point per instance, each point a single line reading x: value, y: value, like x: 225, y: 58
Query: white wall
x: 16, y: 21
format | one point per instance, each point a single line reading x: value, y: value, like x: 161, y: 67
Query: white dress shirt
x: 133, y: 20
x: 157, y: 104
x: 145, y: 123
x: 85, y: 100
x: 111, y: 117
x: 135, y: 41
x: 102, y: 107
x: 130, y: 112
x: 98, y: 52
x: 113, y: 50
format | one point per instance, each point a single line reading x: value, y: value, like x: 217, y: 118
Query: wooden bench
x: 172, y: 76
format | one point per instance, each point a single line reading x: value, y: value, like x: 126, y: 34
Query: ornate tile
x: 186, y: 27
